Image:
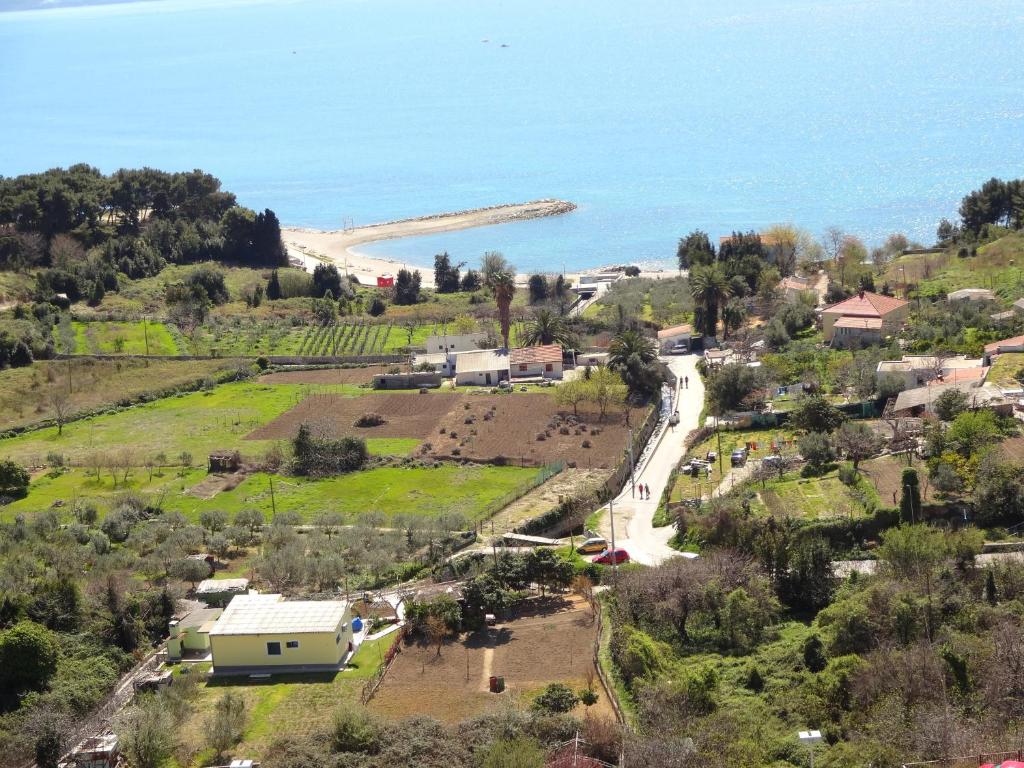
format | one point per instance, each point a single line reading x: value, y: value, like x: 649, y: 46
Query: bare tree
x: 60, y: 404
x: 436, y: 631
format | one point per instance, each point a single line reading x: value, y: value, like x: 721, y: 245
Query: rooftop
x: 982, y: 294
x: 207, y: 586
x: 928, y: 362
x: 434, y: 358
x: 978, y: 396
x: 675, y: 330
x: 549, y: 353
x: 482, y: 360
x: 199, y: 618
x: 863, y: 323
x: 246, y: 616
x: 866, y: 304
x: 996, y: 346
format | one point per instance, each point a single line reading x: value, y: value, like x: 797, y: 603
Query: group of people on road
x: 640, y: 488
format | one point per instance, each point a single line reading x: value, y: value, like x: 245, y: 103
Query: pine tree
x: 910, y: 497
x: 991, y: 595
x: 274, y: 287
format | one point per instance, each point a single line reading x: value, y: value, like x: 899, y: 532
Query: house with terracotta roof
x: 1012, y: 344
x: 675, y: 338
x: 536, y: 362
x: 863, y: 319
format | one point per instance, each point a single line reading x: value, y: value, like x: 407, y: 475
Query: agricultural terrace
x: 32, y: 394
x: 998, y: 265
x: 549, y: 641
x: 128, y: 338
x: 665, y: 302
x: 815, y: 498
x: 521, y: 428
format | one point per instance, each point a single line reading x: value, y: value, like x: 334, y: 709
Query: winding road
x: 634, y: 519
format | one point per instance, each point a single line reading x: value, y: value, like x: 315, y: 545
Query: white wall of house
x: 455, y: 342
x: 531, y: 370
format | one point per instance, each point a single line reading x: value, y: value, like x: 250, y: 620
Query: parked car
x: 775, y: 461
x: 738, y: 457
x: 711, y: 456
x: 595, y: 544
x: 612, y: 557
x: 680, y: 349
x: 674, y: 418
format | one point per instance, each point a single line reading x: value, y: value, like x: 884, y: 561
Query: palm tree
x: 733, y: 314
x: 632, y: 355
x: 504, y: 287
x: 548, y: 328
x: 709, y: 287
x: 631, y: 347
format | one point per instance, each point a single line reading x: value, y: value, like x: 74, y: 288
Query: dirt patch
x: 886, y: 474
x: 526, y: 429
x: 408, y: 415
x: 211, y: 485
x: 1012, y: 449
x: 554, y: 642
x: 568, y: 482
x: 529, y: 429
x: 326, y: 376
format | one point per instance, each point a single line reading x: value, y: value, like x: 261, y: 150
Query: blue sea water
x: 655, y: 116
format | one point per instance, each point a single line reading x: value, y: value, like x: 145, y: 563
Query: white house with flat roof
x: 484, y: 367
x: 257, y: 633
x: 455, y: 342
x: 442, y: 362
x: 915, y: 370
x: 971, y: 294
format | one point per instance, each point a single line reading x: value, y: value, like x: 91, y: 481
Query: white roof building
x: 484, y: 367
x: 972, y: 294
x: 455, y: 342
x: 271, y: 615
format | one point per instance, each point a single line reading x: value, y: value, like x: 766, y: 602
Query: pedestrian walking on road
x: 648, y: 491
x: 686, y: 381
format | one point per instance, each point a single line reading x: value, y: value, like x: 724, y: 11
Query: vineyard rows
x: 347, y: 339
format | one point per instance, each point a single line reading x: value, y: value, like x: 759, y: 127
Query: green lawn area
x: 111, y: 338
x: 15, y: 285
x: 284, y: 704
x: 811, y: 498
x: 687, y: 487
x: 1005, y: 368
x: 470, y: 490
x: 197, y: 422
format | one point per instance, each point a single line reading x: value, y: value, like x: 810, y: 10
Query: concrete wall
x: 320, y: 648
x: 479, y: 378
x: 406, y: 380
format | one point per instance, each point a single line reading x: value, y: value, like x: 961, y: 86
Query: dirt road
x: 634, y: 529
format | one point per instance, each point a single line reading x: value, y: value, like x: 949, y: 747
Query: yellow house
x: 191, y: 633
x: 266, y: 633
x: 863, y: 318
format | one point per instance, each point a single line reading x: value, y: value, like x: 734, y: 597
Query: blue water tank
x: 357, y: 624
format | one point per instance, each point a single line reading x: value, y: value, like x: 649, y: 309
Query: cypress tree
x: 910, y: 496
x: 274, y: 287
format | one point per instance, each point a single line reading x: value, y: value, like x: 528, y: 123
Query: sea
x: 656, y: 117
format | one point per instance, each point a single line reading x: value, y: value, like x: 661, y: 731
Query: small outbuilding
x: 972, y: 294
x: 190, y: 633
x: 217, y: 593
x: 455, y: 342
x: 484, y: 367
x: 266, y: 633
x: 676, y: 338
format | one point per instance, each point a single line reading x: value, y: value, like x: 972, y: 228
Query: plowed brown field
x: 476, y: 427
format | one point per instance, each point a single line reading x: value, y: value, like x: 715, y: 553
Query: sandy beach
x: 340, y: 246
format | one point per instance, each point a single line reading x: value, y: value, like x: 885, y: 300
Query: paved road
x: 634, y: 530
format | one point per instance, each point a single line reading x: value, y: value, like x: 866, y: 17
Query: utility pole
x: 145, y: 331
x: 273, y: 502
x: 615, y: 560
x: 632, y: 477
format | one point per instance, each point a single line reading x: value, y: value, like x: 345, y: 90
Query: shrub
x: 556, y: 698
x: 370, y: 420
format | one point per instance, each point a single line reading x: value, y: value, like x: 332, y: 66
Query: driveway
x: 634, y: 529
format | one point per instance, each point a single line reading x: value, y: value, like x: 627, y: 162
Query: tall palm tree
x: 710, y: 288
x: 734, y: 312
x: 631, y: 346
x: 632, y: 354
x: 504, y: 286
x: 548, y: 328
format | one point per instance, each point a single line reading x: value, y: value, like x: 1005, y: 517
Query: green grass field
x: 197, y: 422
x: 135, y: 338
x: 998, y: 266
x: 469, y: 490
x: 811, y: 498
x: 1005, y: 369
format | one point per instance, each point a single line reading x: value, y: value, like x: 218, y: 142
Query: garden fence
x: 373, y: 683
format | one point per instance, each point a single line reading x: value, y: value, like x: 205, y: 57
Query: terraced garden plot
x: 812, y: 498
x: 128, y: 338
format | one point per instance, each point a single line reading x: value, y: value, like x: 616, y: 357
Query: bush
x: 556, y: 698
x: 370, y: 420
x: 14, y: 479
x: 847, y: 475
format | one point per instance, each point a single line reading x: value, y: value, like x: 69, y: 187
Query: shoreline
x: 338, y: 247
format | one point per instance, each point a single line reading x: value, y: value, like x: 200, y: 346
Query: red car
x: 612, y: 557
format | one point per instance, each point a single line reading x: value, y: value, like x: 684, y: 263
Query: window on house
x: 292, y: 644
x: 548, y: 367
x: 523, y: 366
x: 273, y: 649
x: 337, y: 639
